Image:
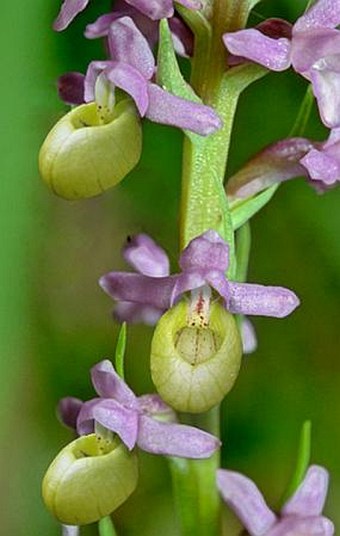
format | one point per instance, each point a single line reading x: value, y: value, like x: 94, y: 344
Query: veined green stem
x: 204, y: 206
x: 194, y: 483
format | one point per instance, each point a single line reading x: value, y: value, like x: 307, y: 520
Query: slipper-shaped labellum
x: 83, y: 155
x: 84, y: 484
x: 193, y: 368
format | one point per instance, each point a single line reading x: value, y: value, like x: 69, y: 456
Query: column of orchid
x: 201, y: 312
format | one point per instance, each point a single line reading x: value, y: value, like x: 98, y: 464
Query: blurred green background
x: 56, y: 322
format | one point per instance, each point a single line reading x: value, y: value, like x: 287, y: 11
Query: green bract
x: 86, y: 482
x: 193, y: 368
x: 83, y: 155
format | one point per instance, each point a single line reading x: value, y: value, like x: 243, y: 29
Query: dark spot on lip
x: 129, y: 239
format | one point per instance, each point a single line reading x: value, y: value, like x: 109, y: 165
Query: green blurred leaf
x: 244, y: 209
x: 302, y: 462
x: 120, y: 351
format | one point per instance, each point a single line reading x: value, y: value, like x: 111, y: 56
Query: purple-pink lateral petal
x: 325, y: 77
x: 68, y: 11
x: 309, y: 499
x: 159, y: 437
x: 154, y: 9
x: 146, y: 256
x: 169, y: 109
x: 136, y: 313
x: 274, y: 54
x: 139, y: 288
x: 310, y: 526
x: 119, y: 419
x: 85, y: 419
x: 132, y: 82
x: 323, y: 14
x: 108, y: 384
x: 246, y: 500
x: 127, y: 44
x: 322, y: 166
x: 250, y: 299
x: 153, y: 405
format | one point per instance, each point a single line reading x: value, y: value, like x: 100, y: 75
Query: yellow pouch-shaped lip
x: 193, y: 369
x: 82, y: 485
x: 82, y: 157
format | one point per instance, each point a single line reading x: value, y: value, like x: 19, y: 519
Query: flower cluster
x: 145, y: 421
x: 205, y: 261
x: 312, y: 47
x: 131, y: 33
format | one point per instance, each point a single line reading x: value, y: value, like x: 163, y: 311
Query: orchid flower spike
x: 204, y: 263
x: 300, y: 515
x: 145, y: 421
x: 313, y: 50
x: 131, y: 68
x: 154, y: 9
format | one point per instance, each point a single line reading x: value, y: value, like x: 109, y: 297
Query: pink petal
x: 127, y: 44
x: 68, y: 12
x: 137, y: 288
x: 323, y: 14
x: 322, y: 166
x: 118, y: 419
x: 310, y: 526
x: 325, y: 77
x: 136, y: 313
x: 146, y: 256
x: 310, y: 47
x: 245, y: 499
x: 249, y: 299
x: 310, y: 497
x: 255, y: 46
x: 108, y: 384
x: 168, y: 109
x: 154, y: 9
x: 132, y: 82
x: 175, y: 439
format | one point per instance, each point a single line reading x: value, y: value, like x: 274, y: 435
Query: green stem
x: 106, y: 528
x: 204, y: 206
x: 304, y: 112
x: 196, y: 498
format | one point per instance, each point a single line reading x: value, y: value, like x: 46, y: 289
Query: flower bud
x: 86, y: 482
x: 192, y: 367
x: 86, y: 153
